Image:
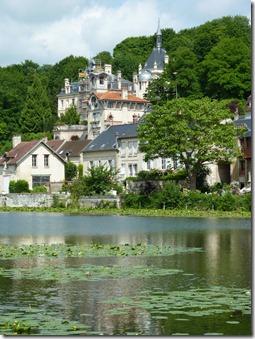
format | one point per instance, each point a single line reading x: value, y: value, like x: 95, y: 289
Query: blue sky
x: 47, y: 31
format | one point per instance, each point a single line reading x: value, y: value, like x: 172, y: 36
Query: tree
x: 36, y: 115
x: 100, y: 179
x: 70, y: 170
x: 71, y: 116
x: 193, y: 131
x: 226, y: 70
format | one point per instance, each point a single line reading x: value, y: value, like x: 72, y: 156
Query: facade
x: 33, y: 161
x: 118, y: 147
x: 113, y: 107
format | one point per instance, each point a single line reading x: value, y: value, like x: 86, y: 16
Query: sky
x: 47, y: 31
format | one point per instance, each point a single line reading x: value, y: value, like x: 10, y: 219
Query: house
x: 114, y: 107
x: 242, y: 167
x: 34, y: 161
x: 118, y: 147
x: 103, y: 98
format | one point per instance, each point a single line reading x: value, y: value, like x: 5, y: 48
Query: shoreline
x: 133, y: 212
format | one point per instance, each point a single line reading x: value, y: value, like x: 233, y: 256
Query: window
x: 46, y: 160
x: 148, y: 165
x: 40, y: 180
x: 134, y: 147
x: 130, y: 169
x: 135, y: 167
x: 163, y: 163
x: 130, y: 148
x: 123, y: 149
x: 34, y: 160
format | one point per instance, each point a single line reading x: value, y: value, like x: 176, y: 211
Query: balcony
x: 246, y: 153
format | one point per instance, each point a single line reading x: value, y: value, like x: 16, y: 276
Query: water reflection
x: 225, y: 261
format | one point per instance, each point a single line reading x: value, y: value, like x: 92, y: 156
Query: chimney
x: 67, y: 86
x: 108, y: 68
x: 135, y: 118
x: 119, y: 79
x: 16, y: 139
x: 124, y: 93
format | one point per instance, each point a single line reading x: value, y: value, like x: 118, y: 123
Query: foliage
x: 226, y: 70
x: 36, y: 115
x: 39, y: 189
x: 71, y: 116
x: 173, y: 197
x: 70, y: 171
x: 19, y: 186
x: 80, y: 170
x: 98, y: 181
x: 192, y: 131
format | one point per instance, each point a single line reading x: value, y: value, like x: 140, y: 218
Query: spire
x: 158, y: 36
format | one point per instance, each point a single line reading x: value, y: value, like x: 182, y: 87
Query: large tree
x: 36, y: 115
x: 193, y: 131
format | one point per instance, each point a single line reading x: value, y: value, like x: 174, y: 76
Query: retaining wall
x: 48, y: 200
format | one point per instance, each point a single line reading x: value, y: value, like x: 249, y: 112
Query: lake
x: 122, y: 275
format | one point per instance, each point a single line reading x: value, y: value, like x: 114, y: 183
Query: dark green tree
x: 36, y: 115
x: 70, y: 171
x: 71, y: 116
x: 226, y: 70
x: 193, y: 131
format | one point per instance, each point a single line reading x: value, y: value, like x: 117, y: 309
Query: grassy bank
x: 134, y: 212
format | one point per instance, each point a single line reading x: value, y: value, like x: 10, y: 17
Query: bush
x: 170, y: 197
x: 39, y: 189
x: 19, y: 186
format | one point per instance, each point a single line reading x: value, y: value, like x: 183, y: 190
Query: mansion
x: 105, y: 99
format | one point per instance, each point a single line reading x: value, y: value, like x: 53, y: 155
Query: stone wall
x: 48, y: 200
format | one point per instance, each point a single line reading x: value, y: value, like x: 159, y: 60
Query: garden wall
x: 147, y: 186
x: 47, y: 200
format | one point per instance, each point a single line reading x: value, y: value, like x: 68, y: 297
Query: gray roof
x: 158, y: 55
x: 107, y: 139
x: 246, y: 122
x: 74, y: 88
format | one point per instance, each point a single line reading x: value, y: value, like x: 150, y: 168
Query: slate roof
x: 16, y: 154
x: 73, y: 148
x: 246, y: 122
x: 107, y: 139
x: 158, y: 55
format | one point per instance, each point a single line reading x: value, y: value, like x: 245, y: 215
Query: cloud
x: 48, y: 31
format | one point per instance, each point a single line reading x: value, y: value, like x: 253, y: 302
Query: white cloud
x: 48, y: 31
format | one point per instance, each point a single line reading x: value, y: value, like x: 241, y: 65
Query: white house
x: 34, y: 161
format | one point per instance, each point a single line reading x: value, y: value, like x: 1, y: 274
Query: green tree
x: 100, y: 179
x: 71, y: 116
x: 36, y: 115
x: 105, y: 57
x: 70, y: 170
x: 192, y: 131
x: 226, y: 70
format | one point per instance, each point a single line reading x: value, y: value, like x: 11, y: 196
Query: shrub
x: 170, y: 197
x: 39, y: 189
x: 19, y: 186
